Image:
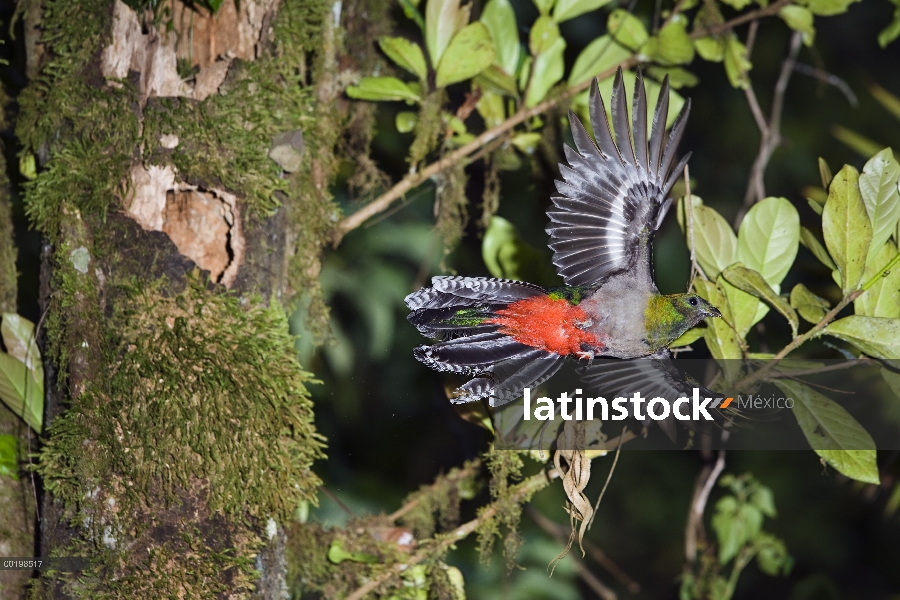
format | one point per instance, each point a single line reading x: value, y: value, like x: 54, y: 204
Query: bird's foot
x: 587, y: 355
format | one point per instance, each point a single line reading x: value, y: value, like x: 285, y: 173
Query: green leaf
x: 890, y: 33
x: 601, y: 55
x: 508, y: 257
x: 735, y: 524
x: 526, y: 142
x: 678, y: 77
x: 410, y: 9
x: 772, y: 556
x: 406, y: 121
x: 738, y: 4
x: 832, y: 432
x: 737, y: 65
x: 813, y: 204
x: 714, y: 241
x: 768, y: 238
x: 470, y: 52
x: 811, y: 307
x: 720, y: 338
x: 569, y: 9
x: 9, y: 461
x: 689, y: 337
x: 856, y: 142
x: 826, y: 8
x: 886, y: 99
x: 876, y: 336
x: 18, y: 337
x: 494, y: 79
x: 500, y: 19
x: 799, y: 19
x: 627, y: 29
x: 441, y: 20
x: 825, y: 173
x: 883, y: 298
x: 746, y: 309
x: 544, y: 34
x: 406, y: 54
x: 548, y: 70
x: 674, y: 45
x: 763, y: 499
x: 710, y: 48
x: 21, y: 392
x: 846, y: 227
x: 490, y: 107
x: 878, y: 187
x: 544, y: 5
x: 752, y: 282
x: 812, y: 243
x: 379, y: 89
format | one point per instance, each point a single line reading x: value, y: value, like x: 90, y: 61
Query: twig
x: 609, y: 475
x: 559, y: 533
x: 444, y: 541
x: 772, y: 9
x: 770, y: 131
x: 456, y: 476
x: 337, y: 501
x: 830, y: 79
x: 702, y: 489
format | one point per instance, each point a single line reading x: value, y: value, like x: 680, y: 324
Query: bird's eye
x: 693, y: 301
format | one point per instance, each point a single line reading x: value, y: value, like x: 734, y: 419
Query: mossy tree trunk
x: 184, y: 161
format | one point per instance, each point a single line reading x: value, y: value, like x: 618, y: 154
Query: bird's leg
x: 587, y: 354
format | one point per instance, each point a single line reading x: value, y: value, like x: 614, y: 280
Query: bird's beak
x: 713, y: 312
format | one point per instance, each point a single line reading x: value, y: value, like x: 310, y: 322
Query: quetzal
x: 612, y: 199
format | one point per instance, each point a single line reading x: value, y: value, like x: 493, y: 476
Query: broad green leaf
x: 441, y: 20
x: 710, y: 48
x: 18, y: 337
x: 714, y: 241
x: 490, y: 107
x: 500, y: 19
x: 799, y: 19
x: 544, y: 5
x: 600, y: 55
x: 768, y: 238
x: 737, y: 65
x: 406, y: 54
x: 678, y: 77
x: 21, y: 392
x: 378, y: 89
x: 627, y: 29
x: 752, y: 282
x: 738, y: 4
x: 763, y: 499
x: 826, y: 8
x: 470, y: 52
x: 878, y: 187
x: 720, y: 338
x: 889, y: 34
x: 674, y: 45
x: 689, y: 337
x: 527, y: 141
x: 746, y: 309
x: 9, y: 461
x: 494, y: 79
x: 857, y: 142
x: 772, y: 556
x: 883, y: 298
x: 735, y: 524
x: 812, y: 243
x: 548, y: 70
x: 847, y: 228
x: 525, y: 72
x: 569, y: 9
x: 508, y: 257
x: 811, y: 307
x: 876, y: 336
x: 406, y: 121
x: 544, y: 34
x: 825, y: 173
x: 832, y: 432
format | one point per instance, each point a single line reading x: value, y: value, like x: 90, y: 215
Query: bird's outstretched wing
x: 614, y: 194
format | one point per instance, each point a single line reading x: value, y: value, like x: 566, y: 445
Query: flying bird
x: 612, y: 198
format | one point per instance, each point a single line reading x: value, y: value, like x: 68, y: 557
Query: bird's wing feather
x: 614, y: 194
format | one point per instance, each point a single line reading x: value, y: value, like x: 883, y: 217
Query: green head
x: 668, y: 317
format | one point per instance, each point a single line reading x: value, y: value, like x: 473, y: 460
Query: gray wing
x: 614, y: 194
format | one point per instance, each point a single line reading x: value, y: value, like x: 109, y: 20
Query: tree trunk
x: 184, y: 162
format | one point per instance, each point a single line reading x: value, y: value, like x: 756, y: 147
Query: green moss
x: 505, y: 466
x: 437, y: 505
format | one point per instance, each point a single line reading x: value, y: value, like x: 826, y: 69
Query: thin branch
x: 829, y: 79
x: 458, y: 475
x: 770, y: 131
x: 702, y: 489
x: 444, y: 541
x: 772, y: 9
x: 560, y: 534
